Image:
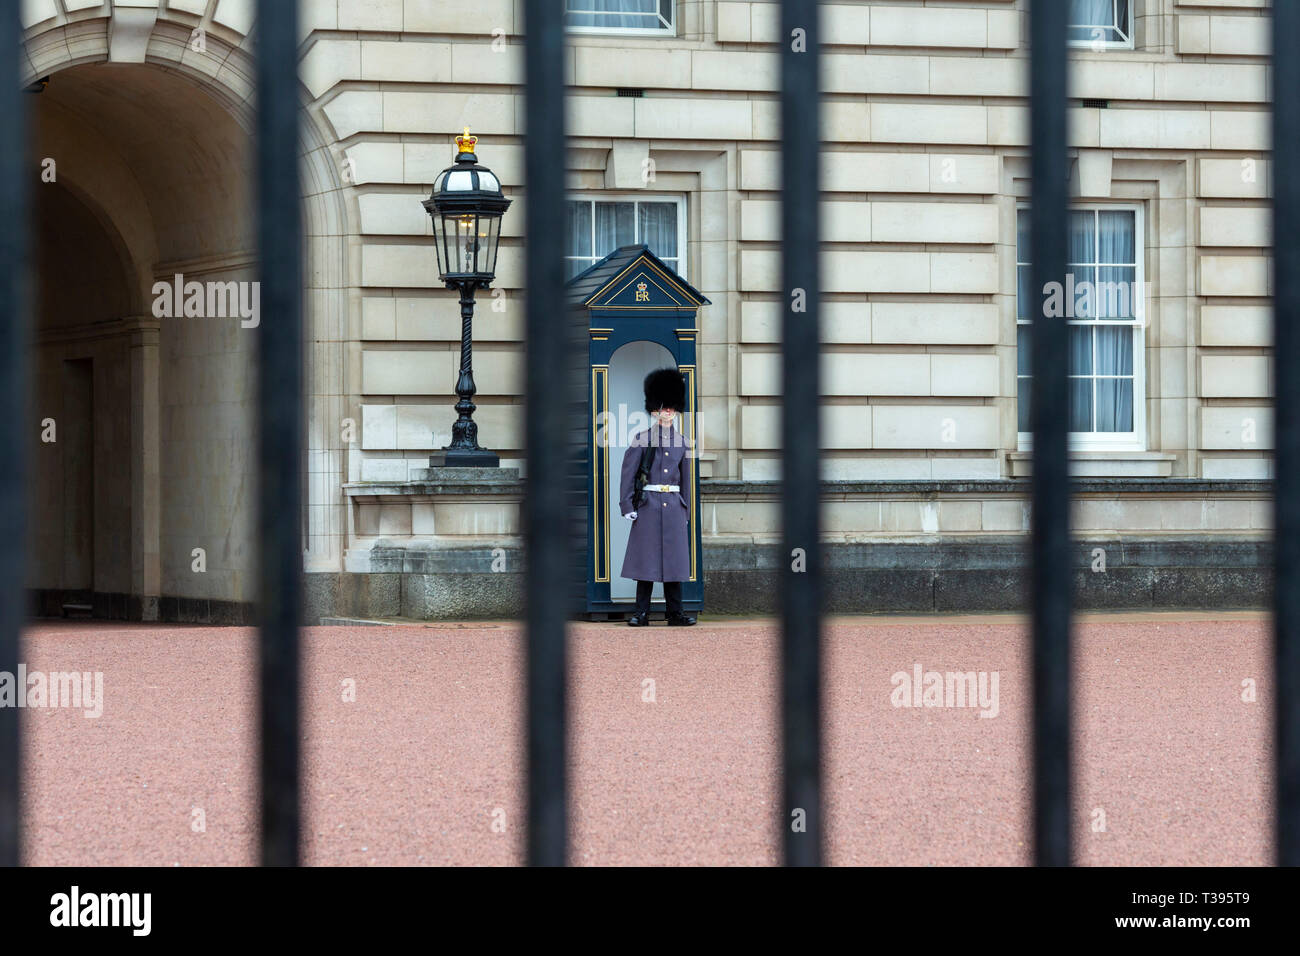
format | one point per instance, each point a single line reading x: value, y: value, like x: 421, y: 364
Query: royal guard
x: 652, y: 495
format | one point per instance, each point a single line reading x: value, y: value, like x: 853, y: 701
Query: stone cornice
x: 728, y: 487
x: 146, y: 327
x: 1006, y: 486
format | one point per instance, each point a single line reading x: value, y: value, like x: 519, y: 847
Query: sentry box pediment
x: 633, y: 278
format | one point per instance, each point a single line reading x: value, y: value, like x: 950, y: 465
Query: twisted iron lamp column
x: 464, y: 450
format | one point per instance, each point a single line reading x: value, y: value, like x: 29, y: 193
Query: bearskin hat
x: 665, y: 388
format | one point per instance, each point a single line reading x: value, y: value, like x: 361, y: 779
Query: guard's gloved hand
x: 630, y: 516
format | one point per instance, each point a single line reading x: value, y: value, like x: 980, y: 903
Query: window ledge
x: 1102, y: 464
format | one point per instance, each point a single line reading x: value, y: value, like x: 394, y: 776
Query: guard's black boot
x: 639, y: 620
x: 680, y: 620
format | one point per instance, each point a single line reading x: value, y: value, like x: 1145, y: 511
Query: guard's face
x: 665, y: 416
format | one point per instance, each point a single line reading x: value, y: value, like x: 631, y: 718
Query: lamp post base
x: 464, y: 458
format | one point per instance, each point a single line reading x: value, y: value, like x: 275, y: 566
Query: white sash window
x: 1104, y: 299
x: 1101, y: 23
x: 597, y: 227
x: 620, y: 16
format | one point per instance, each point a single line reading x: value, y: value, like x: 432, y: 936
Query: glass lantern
x: 466, y: 207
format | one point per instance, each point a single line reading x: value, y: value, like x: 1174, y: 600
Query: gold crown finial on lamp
x: 465, y: 142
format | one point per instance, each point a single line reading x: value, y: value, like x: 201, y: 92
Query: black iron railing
x: 1286, y: 441
x: 15, y: 184
x: 801, y: 554
x: 280, y: 407
x: 549, y: 349
x: 545, y: 519
x: 1051, y: 574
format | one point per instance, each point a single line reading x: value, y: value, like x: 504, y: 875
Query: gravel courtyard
x: 674, y: 743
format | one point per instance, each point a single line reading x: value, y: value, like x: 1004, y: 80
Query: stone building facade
x: 142, y: 506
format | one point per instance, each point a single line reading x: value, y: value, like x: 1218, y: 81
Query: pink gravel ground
x: 675, y: 744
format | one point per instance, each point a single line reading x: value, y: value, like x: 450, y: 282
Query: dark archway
x: 141, y: 503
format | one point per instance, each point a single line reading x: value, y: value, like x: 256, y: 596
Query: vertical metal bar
x: 280, y: 407
x: 549, y: 350
x: 801, y: 558
x: 1286, y: 489
x: 1050, y: 569
x: 14, y: 422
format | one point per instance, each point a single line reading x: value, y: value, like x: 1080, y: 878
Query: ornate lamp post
x: 466, y: 207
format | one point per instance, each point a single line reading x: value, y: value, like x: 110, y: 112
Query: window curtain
x: 1091, y: 13
x: 615, y: 14
x: 578, y: 237
x: 658, y: 227
x: 1114, y: 395
x: 1081, y: 381
x: 579, y: 229
x: 1023, y: 269
x: 1117, y: 268
x: 615, y: 226
x: 1116, y: 299
x: 1083, y: 251
x: 1099, y: 400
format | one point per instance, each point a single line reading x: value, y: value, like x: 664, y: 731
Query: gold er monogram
x: 641, y: 294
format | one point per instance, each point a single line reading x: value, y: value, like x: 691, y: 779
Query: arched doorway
x: 628, y: 367
x: 146, y: 116
x: 142, y: 483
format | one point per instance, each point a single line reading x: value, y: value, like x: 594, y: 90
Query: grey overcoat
x: 658, y: 546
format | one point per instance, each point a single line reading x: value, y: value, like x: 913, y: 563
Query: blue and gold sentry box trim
x: 632, y: 296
